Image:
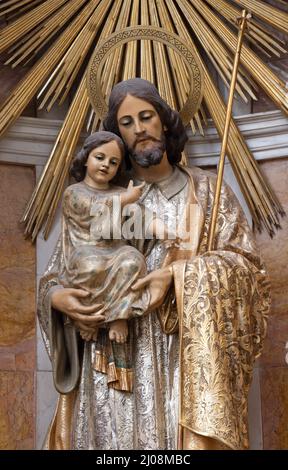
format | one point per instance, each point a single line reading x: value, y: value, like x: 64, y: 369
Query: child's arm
x: 132, y: 193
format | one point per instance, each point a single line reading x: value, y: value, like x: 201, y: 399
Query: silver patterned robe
x: 222, y: 324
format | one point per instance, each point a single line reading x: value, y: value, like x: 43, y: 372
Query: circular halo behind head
x: 133, y: 33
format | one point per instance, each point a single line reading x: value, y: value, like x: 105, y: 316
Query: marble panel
x: 275, y: 255
x: 274, y: 398
x: 275, y: 251
x: 17, y: 184
x: 20, y: 356
x: 16, y: 252
x: 25, y: 359
x: 17, y: 257
x: 276, y: 341
x: 7, y: 360
x: 274, y: 374
x: 17, y: 320
x: 17, y: 410
x: 17, y: 294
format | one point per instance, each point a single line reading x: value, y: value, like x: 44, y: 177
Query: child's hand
x: 132, y: 193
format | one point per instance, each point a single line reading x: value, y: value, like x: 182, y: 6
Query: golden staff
x: 242, y: 24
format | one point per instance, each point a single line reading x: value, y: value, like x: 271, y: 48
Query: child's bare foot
x: 118, y: 331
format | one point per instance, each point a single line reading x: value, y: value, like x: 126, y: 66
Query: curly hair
x: 175, y: 133
x: 78, y: 168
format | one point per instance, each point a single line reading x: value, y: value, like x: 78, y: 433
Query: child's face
x: 102, y: 164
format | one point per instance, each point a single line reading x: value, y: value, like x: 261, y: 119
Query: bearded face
x: 142, y: 131
x: 152, y: 151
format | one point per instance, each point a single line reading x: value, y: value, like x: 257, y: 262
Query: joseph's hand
x: 68, y: 300
x: 158, y: 283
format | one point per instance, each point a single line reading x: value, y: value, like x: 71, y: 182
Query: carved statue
x: 96, y: 257
x: 193, y: 354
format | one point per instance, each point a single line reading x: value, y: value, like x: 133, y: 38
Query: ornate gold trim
x: 118, y: 378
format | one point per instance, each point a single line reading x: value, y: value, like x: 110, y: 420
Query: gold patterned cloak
x: 223, y: 301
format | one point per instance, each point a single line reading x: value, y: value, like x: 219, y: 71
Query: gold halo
x: 134, y: 33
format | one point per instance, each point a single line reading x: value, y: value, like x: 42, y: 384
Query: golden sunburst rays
x: 264, y: 41
x: 25, y: 24
x: 74, y: 28
x: 270, y: 83
x: 44, y: 67
x: 12, y: 8
x: 267, y: 13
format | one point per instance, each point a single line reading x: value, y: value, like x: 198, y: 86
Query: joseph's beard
x: 150, y: 156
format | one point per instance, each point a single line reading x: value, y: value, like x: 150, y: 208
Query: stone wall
x: 17, y: 320
x: 273, y: 363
